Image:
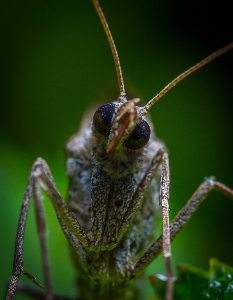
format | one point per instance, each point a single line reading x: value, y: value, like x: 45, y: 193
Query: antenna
x: 122, y: 97
x: 203, y: 62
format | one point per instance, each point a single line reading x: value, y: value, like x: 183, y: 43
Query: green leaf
x: 193, y: 283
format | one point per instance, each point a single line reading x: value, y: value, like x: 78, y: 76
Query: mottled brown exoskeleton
x: 119, y: 175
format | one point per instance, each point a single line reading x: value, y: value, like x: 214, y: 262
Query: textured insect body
x: 102, y: 187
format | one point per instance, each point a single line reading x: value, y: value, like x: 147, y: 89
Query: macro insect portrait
x: 116, y: 216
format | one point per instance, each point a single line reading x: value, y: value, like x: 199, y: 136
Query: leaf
x: 193, y: 283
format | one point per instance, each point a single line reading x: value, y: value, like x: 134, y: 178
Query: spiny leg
x: 40, y: 176
x: 184, y: 215
x: 180, y: 220
x: 161, y: 157
x: 139, y: 193
x: 164, y: 201
x: 18, y: 256
x: 41, y: 229
x: 62, y: 210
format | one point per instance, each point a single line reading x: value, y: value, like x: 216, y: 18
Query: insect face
x: 124, y: 124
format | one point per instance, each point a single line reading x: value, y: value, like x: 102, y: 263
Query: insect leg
x: 180, y: 220
x: 139, y: 193
x: 18, y: 256
x: 164, y: 201
x: 161, y: 157
x: 41, y: 176
x: 187, y: 211
x: 66, y: 218
x: 41, y: 229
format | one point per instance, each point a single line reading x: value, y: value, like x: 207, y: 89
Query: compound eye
x: 139, y: 137
x: 103, y: 118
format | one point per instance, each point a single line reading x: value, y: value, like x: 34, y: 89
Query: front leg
x: 41, y: 176
x: 180, y: 220
x: 161, y: 157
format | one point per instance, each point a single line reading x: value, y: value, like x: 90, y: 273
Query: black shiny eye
x: 139, y: 137
x: 103, y: 117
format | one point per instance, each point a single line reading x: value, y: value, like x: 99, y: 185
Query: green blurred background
x: 55, y: 61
